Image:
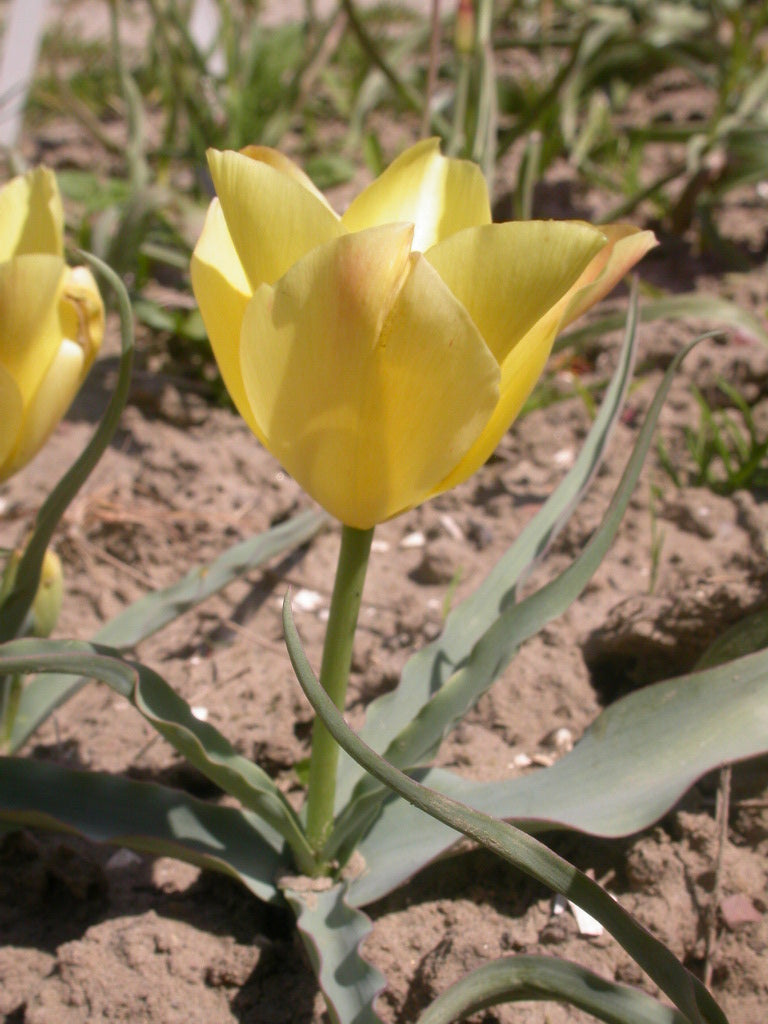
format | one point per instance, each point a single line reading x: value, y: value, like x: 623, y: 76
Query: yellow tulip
x: 382, y: 355
x: 51, y: 318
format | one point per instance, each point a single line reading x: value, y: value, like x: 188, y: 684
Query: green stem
x: 334, y: 676
x: 459, y: 128
x: 10, y: 695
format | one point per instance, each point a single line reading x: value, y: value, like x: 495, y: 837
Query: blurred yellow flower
x: 44, y: 614
x: 381, y: 355
x: 51, y: 318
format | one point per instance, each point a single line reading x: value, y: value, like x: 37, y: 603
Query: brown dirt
x: 93, y: 935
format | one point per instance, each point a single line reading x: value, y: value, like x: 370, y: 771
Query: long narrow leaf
x: 427, y: 670
x: 199, y: 742
x: 495, y: 649
x: 153, y: 611
x: 524, y: 851
x: 522, y: 978
x: 634, y: 762
x: 19, y: 601
x: 142, y: 816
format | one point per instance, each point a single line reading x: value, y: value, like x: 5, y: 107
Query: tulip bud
x: 50, y: 593
x: 464, y: 32
x: 44, y: 613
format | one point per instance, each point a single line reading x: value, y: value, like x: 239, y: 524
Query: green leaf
x: 332, y: 932
x: 743, y: 637
x: 153, y: 611
x: 141, y: 816
x: 19, y: 600
x: 634, y: 762
x: 521, y: 978
x: 517, y: 847
x: 429, y: 669
x: 199, y: 742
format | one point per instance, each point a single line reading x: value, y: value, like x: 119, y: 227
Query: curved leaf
x: 633, y: 763
x: 522, y: 978
x: 332, y: 932
x: 199, y: 742
x: 150, y: 613
x: 517, y: 847
x: 19, y: 601
x: 141, y: 816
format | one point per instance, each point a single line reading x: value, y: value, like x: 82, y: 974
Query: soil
x: 93, y: 934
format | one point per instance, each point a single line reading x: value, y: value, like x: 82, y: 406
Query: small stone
x: 737, y: 910
x: 122, y: 859
x: 560, y: 739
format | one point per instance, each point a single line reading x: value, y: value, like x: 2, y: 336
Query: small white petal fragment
x: 414, y: 540
x: 200, y: 712
x: 586, y: 924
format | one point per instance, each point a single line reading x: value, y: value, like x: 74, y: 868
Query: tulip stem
x: 334, y: 676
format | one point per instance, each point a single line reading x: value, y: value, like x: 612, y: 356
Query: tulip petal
x: 12, y: 405
x: 81, y: 313
x: 524, y: 364
x: 510, y: 275
x: 367, y: 378
x: 285, y: 165
x: 626, y: 246
x: 31, y: 215
x: 440, y: 196
x: 30, y: 334
x: 519, y: 374
x: 273, y: 220
x: 223, y: 292
x: 50, y: 402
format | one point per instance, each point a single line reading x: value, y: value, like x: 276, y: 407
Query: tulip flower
x: 51, y: 318
x: 381, y: 355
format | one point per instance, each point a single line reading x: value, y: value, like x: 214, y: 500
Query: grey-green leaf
x: 519, y: 848
x: 141, y: 816
x: 199, y: 742
x: 332, y: 932
x: 634, y: 762
x: 523, y: 978
x: 153, y: 611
